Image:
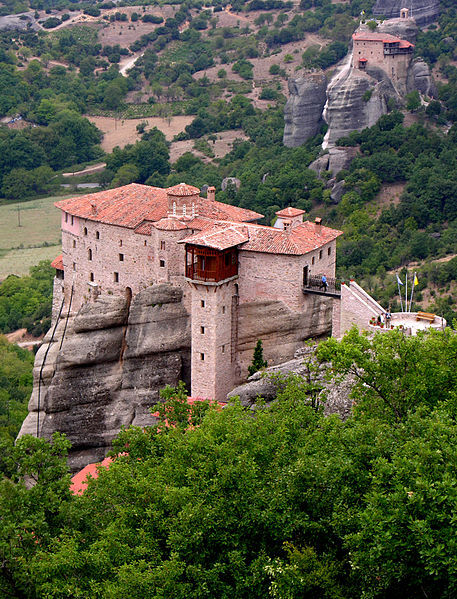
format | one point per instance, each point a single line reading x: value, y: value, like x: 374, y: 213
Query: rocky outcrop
x: 334, y: 395
x: 303, y: 110
x: 22, y: 22
x: 423, y: 11
x: 281, y: 330
x: 420, y: 78
x: 103, y: 368
x: 355, y: 103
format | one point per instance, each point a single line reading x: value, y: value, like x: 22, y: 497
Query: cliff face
x: 105, y: 366
x: 355, y: 103
x: 303, y: 110
x: 423, y: 11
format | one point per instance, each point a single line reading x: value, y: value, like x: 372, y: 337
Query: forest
x: 288, y: 503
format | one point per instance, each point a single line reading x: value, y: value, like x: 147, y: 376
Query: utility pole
x: 19, y: 217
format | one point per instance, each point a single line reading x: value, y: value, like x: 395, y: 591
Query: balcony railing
x: 314, y: 284
x: 196, y: 273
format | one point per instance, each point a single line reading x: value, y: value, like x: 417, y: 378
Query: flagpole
x: 399, y: 292
x: 406, y: 292
x: 412, y: 291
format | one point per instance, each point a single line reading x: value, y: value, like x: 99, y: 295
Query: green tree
x: 257, y: 362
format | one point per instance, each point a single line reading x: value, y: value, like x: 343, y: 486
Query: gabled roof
x: 220, y: 237
x: 386, y: 38
x: 131, y: 205
x: 290, y: 212
x: 297, y: 241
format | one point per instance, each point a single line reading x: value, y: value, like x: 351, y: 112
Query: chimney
x: 211, y: 193
x: 93, y: 207
x: 318, y: 220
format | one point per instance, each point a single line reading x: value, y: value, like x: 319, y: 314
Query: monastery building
x: 123, y: 240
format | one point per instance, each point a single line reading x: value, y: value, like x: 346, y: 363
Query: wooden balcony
x: 209, y: 265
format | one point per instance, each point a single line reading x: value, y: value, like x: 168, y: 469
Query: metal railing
x: 314, y: 283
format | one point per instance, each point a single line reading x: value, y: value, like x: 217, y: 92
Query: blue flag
x: 399, y: 280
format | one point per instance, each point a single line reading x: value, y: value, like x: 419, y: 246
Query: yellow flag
x: 416, y: 281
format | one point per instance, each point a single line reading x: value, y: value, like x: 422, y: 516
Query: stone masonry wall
x: 213, y: 367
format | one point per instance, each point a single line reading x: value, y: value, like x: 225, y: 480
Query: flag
x: 399, y: 280
x: 416, y: 280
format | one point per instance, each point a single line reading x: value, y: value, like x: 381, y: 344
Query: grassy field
x: 24, y: 246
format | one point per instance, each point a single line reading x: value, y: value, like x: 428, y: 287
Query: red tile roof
x: 57, y: 263
x: 297, y: 241
x: 386, y: 38
x: 220, y: 237
x: 79, y: 480
x: 290, y: 212
x: 182, y: 190
x: 131, y: 205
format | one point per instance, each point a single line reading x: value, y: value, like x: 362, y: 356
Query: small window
x: 74, y: 265
x: 162, y: 263
x: 72, y: 220
x: 92, y: 277
x: 329, y: 251
x: 97, y: 234
x: 145, y: 243
x: 202, y: 303
x: 202, y: 357
x: 66, y: 217
x: 89, y: 254
x: 116, y: 277
x: 120, y: 243
x: 74, y: 243
x: 202, y: 330
x: 313, y: 260
x: 320, y: 254
x: 85, y: 230
x: 162, y: 245
x: 121, y: 257
x: 223, y: 309
x: 223, y: 349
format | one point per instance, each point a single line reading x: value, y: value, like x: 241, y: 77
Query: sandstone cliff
x: 423, y: 11
x: 303, y: 110
x: 105, y: 366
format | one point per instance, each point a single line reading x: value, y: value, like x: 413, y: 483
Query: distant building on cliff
x: 382, y: 50
x: 232, y: 270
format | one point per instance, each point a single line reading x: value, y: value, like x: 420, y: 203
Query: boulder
x: 337, y: 192
x: 320, y: 164
x: 405, y: 29
x: 334, y: 395
x: 420, y: 78
x: 423, y: 11
x: 340, y: 159
x: 230, y: 181
x: 303, y: 110
x: 21, y: 22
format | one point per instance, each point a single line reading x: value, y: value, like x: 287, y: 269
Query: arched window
x: 85, y: 230
x: 89, y: 254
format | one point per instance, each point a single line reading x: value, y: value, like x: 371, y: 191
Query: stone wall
x: 114, y: 258
x: 357, y: 307
x: 213, y: 363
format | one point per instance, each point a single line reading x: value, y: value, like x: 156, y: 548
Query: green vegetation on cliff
x: 287, y: 503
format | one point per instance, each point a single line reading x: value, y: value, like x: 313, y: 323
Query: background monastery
x: 231, y: 270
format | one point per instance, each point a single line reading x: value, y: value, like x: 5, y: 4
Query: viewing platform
x: 410, y: 323
x: 313, y: 284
